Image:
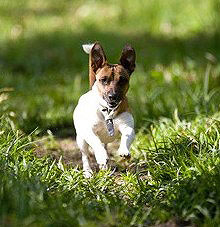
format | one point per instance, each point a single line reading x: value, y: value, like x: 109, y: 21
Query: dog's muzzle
x: 112, y: 99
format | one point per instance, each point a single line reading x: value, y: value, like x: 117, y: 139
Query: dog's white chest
x: 89, y: 119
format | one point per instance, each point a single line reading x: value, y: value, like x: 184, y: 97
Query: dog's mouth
x: 112, y: 104
x: 112, y: 101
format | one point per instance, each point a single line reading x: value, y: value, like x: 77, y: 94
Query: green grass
x: 176, y: 177
x: 42, y: 60
x: 173, y: 176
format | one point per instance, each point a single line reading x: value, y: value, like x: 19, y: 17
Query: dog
x: 103, y: 112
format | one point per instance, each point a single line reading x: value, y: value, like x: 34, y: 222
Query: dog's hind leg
x: 83, y: 146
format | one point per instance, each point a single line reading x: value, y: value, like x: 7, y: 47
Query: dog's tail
x: 87, y: 48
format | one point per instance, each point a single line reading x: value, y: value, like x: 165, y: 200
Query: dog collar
x: 109, y: 115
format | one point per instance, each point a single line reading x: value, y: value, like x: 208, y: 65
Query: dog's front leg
x: 127, y: 137
x: 99, y: 150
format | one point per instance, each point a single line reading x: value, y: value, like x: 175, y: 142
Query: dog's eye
x: 104, y: 80
x: 123, y: 80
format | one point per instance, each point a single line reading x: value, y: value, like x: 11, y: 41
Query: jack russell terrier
x: 103, y: 113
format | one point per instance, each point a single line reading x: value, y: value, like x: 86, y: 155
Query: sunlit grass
x: 156, y: 17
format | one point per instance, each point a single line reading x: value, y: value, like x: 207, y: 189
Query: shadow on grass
x: 199, y: 197
x: 60, y: 52
x: 190, y: 202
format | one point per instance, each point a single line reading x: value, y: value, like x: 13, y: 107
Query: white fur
x: 88, y: 47
x: 91, y: 129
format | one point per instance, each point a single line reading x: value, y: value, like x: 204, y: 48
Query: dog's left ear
x: 128, y: 58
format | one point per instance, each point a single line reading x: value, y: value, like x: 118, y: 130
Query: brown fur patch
x: 123, y: 107
x: 113, y: 78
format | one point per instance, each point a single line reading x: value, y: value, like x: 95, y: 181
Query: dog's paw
x: 124, y: 153
x: 103, y: 166
x: 102, y: 159
x: 103, y: 162
x: 87, y: 173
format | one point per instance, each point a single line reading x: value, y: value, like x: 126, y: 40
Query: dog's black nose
x: 112, y: 96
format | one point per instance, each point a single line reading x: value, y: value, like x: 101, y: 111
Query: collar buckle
x: 108, y: 114
x: 110, y: 127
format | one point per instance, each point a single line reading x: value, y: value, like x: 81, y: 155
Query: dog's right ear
x: 97, y: 57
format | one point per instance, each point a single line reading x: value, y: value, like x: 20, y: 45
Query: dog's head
x: 112, y: 80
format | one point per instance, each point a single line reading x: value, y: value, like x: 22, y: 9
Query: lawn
x: 173, y: 176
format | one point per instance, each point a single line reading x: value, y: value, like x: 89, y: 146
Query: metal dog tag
x: 110, y: 127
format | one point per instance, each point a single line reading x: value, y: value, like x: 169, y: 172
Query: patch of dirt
x: 67, y: 148
x: 175, y: 223
x: 71, y: 155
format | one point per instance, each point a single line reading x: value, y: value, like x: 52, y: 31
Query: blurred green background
x: 43, y: 69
